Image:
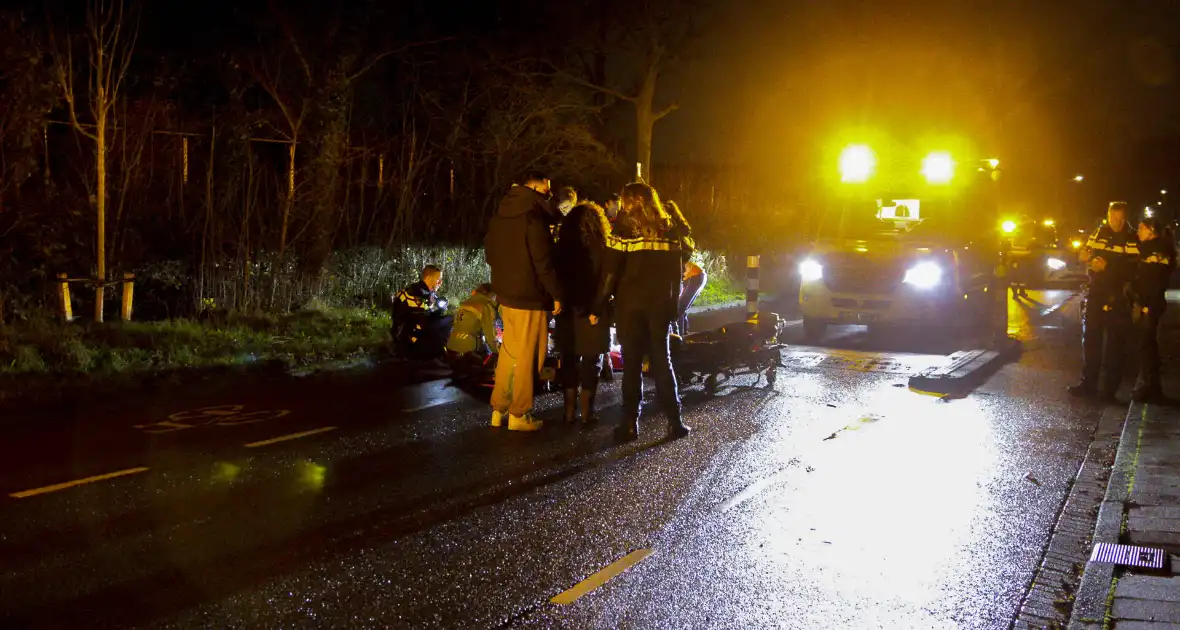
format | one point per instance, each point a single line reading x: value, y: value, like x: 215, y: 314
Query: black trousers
x: 422, y: 336
x: 642, y: 332
x: 1104, y: 342
x: 580, y: 371
x: 1147, y: 334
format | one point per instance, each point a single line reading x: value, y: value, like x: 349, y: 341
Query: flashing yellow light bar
x: 1008, y: 226
x: 857, y: 163
x: 938, y: 168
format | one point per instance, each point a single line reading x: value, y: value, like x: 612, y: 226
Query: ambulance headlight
x: 924, y: 275
x: 810, y: 270
x: 1055, y: 264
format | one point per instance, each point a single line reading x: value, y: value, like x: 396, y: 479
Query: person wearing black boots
x: 1157, y: 260
x: 644, y: 264
x: 579, y: 259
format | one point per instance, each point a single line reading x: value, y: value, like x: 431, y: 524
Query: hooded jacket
x: 519, y: 249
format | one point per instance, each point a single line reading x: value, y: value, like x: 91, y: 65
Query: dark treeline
x: 258, y: 139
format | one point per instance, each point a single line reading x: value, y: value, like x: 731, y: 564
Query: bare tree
x: 652, y: 37
x: 110, y: 41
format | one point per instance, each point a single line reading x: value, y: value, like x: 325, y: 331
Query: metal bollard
x: 128, y: 295
x: 63, y: 292
x: 752, y: 265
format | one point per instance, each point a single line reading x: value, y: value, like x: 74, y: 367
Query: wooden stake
x: 67, y: 309
x: 184, y: 150
x: 380, y: 172
x: 128, y: 293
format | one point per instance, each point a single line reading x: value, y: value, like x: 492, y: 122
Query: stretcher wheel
x: 711, y: 385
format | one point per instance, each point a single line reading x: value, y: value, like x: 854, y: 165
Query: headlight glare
x: 810, y: 270
x: 1055, y: 264
x: 924, y: 275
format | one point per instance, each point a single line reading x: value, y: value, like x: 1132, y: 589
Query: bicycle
x: 218, y: 416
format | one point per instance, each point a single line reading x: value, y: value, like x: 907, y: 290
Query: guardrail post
x: 63, y: 294
x: 128, y: 295
x: 752, y: 265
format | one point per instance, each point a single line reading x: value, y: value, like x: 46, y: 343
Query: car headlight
x: 1055, y: 264
x: 924, y: 275
x: 810, y: 270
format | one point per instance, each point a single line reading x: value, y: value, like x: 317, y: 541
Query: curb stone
x: 1091, y: 605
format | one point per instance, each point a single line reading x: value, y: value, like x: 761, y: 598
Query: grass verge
x: 43, y: 361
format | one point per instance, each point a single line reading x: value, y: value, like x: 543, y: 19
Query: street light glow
x: 993, y: 162
x: 1078, y: 178
x: 857, y: 163
x: 1008, y: 226
x: 1163, y: 192
x: 1049, y: 223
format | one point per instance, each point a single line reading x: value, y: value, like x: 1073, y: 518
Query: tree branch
x: 667, y: 110
x: 593, y: 86
x: 292, y: 40
x: 397, y: 51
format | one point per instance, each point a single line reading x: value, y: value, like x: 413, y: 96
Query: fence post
x: 128, y: 295
x: 63, y: 293
x: 752, y: 265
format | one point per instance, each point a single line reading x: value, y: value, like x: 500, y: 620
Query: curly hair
x: 678, y: 220
x: 642, y: 214
x: 587, y: 223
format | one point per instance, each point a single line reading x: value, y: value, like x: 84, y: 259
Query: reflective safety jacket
x: 475, y: 325
x: 416, y: 299
x: 1121, y: 252
x: 644, y: 272
x: 1157, y: 260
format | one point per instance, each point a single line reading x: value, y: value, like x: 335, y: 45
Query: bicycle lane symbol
x: 215, y: 416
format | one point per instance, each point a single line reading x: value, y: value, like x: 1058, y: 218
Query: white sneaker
x: 498, y: 418
x: 524, y: 423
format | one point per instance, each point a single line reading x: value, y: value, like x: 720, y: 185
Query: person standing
x: 518, y: 248
x: 1111, y: 252
x: 1157, y: 260
x: 643, y: 268
x: 579, y: 259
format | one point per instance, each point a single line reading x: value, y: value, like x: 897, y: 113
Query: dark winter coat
x: 1157, y: 259
x: 519, y: 248
x: 579, y: 258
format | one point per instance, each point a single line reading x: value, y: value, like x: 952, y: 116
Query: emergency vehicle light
x: 1008, y: 226
x: 938, y: 167
x: 857, y: 163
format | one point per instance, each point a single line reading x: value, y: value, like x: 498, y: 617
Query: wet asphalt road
x: 839, y: 498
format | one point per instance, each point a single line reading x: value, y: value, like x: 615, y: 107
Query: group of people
x: 586, y: 266
x: 1129, y: 272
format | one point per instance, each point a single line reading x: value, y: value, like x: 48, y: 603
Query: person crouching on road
x: 644, y: 263
x: 420, y: 322
x: 1111, y: 251
x: 579, y: 259
x: 1157, y: 260
x: 474, y: 332
x: 519, y: 248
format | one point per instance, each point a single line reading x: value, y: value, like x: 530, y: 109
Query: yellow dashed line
x: 601, y: 577
x: 77, y: 482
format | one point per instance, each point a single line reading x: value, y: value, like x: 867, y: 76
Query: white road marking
x: 292, y: 436
x: 601, y: 577
x: 77, y: 482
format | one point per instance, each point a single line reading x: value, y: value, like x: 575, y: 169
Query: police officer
x: 420, y: 322
x: 1111, y: 252
x: 644, y: 264
x: 1157, y: 259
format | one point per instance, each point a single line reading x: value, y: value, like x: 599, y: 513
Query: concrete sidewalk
x: 1142, y: 508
